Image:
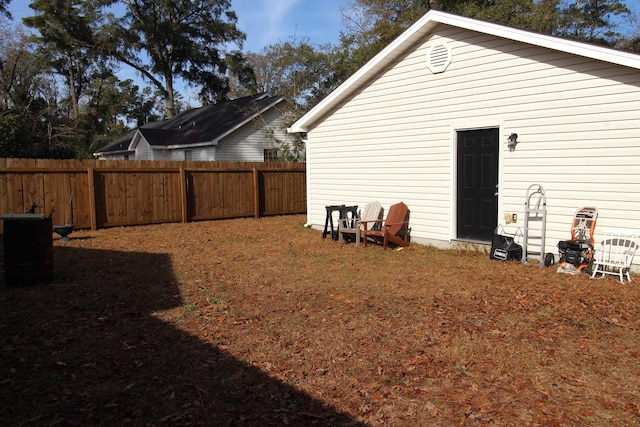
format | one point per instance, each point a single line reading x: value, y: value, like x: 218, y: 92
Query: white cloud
x: 264, y: 21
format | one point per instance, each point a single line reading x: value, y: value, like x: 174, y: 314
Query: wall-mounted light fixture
x: 512, y: 141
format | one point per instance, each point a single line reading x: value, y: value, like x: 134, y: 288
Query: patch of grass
x: 212, y: 299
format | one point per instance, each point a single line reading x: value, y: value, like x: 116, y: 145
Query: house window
x: 188, y: 154
x: 270, y: 155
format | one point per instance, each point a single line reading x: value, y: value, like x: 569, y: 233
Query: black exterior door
x: 477, y: 181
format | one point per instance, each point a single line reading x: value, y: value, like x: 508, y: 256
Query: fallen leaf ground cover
x: 261, y: 322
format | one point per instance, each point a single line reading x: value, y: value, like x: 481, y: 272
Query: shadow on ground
x: 80, y: 351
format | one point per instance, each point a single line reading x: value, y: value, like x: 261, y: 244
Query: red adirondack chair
x: 395, y: 228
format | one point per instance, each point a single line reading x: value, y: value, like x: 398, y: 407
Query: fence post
x: 104, y: 201
x: 256, y: 193
x: 92, y: 198
x: 183, y: 194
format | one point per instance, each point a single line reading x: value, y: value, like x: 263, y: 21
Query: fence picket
x: 97, y: 193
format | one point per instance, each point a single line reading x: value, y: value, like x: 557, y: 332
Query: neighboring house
x: 427, y: 121
x: 245, y: 129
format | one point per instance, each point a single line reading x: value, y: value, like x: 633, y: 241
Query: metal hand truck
x: 535, y: 225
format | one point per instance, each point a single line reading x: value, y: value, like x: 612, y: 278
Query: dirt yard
x: 252, y: 322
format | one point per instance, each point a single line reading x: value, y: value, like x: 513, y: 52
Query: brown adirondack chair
x: 394, y: 230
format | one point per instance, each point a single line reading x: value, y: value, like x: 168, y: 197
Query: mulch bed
x: 261, y: 322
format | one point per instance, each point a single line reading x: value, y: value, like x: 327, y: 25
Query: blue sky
x: 271, y: 21
x: 268, y: 21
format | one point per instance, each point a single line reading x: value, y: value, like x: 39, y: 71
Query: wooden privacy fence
x: 97, y: 193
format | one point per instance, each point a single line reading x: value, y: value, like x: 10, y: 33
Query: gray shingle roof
x: 199, y: 125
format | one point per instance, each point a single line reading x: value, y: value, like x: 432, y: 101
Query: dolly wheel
x: 549, y: 260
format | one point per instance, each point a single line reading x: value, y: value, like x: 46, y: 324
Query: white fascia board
x: 600, y: 53
x: 385, y: 56
x: 239, y: 125
x: 179, y: 146
x: 135, y: 140
x: 131, y: 148
x: 425, y: 25
x: 111, y: 153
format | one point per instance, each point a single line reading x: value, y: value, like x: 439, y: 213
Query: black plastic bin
x: 28, y: 249
x: 504, y: 248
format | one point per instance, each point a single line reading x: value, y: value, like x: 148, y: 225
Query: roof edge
x: 253, y: 116
x: 434, y: 17
x: 190, y: 145
x: 587, y: 50
x: 111, y: 153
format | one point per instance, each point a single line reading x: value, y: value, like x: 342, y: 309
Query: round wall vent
x: 438, y: 58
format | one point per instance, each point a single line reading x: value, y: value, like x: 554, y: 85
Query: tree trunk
x: 169, y: 99
x: 72, y: 90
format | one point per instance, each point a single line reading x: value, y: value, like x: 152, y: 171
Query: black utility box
x: 28, y: 248
x: 504, y: 248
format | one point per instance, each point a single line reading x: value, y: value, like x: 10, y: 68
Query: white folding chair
x: 615, y: 252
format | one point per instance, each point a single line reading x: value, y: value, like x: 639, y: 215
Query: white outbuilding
x: 459, y: 117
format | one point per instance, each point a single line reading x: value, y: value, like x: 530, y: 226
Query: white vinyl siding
x: 247, y: 144
x: 207, y: 153
x: 204, y: 153
x: 143, y: 150
x: 578, y: 122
